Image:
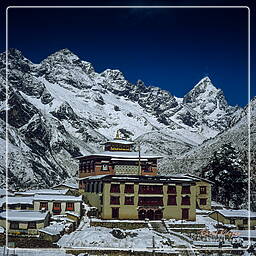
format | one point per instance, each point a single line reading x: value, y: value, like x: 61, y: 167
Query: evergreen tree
x: 230, y: 181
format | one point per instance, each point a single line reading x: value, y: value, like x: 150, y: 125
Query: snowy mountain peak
x: 204, y: 89
x: 62, y: 108
x: 64, y: 56
x: 14, y: 52
x: 205, y: 85
x: 205, y: 98
x: 113, y: 74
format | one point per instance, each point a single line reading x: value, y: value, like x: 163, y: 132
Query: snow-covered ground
x: 200, y: 219
x: 103, y: 237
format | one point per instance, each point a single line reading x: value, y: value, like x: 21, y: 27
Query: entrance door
x: 142, y: 215
x: 150, y: 215
x: 185, y: 214
x: 158, y: 215
x: 115, y: 213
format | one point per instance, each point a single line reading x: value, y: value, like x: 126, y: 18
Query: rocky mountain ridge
x: 62, y: 108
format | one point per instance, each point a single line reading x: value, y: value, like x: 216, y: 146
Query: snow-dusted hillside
x: 62, y: 108
x: 237, y: 136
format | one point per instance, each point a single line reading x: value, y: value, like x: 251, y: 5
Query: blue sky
x: 169, y: 48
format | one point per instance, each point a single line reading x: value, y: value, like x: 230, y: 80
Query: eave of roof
x: 236, y: 213
x: 140, y: 178
x: 121, y: 154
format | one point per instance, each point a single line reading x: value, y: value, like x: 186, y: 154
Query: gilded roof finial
x: 118, y: 137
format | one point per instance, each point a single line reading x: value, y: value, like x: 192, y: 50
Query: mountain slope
x: 62, y: 108
x: 237, y: 136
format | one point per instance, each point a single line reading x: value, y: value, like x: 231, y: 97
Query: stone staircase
x: 158, y: 226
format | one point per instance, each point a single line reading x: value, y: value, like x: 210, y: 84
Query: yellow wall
x: 77, y: 206
x: 131, y: 211
x: 174, y: 211
x: 23, y: 226
x: 208, y: 195
x: 19, y: 207
x: 238, y: 221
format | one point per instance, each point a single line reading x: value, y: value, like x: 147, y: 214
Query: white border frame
x: 139, y: 7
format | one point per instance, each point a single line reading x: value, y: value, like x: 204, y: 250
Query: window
x: 245, y: 221
x: 203, y: 201
x: 70, y: 206
x: 151, y: 189
x: 115, y: 213
x: 14, y: 225
x: 96, y: 187
x: 171, y: 190
x: 232, y: 221
x: 185, y: 200
x: 104, y: 167
x: 150, y: 201
x: 185, y: 214
x: 115, y: 188
x: 32, y: 225
x: 147, y: 167
x: 114, y: 200
x: 87, y: 167
x: 129, y: 188
x: 202, y: 189
x: 185, y: 189
x: 43, y: 205
x: 56, y: 209
x: 82, y: 166
x: 129, y: 200
x: 92, y: 166
x: 172, y: 200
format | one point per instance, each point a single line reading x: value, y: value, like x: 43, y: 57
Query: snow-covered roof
x: 54, y: 229
x: 190, y: 177
x: 23, y: 215
x: 121, y: 154
x: 120, y: 142
x: 213, y: 203
x: 69, y: 185
x: 197, y: 177
x: 43, y: 192
x: 236, y: 213
x: 18, y: 200
x: 129, y: 159
x: 93, y: 177
x: 73, y: 214
x: 63, y: 198
x: 142, y: 178
x: 3, y: 192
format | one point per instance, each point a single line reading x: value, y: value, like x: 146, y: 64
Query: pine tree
x: 230, y: 181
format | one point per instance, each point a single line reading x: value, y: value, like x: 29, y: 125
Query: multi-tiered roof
x: 118, y: 158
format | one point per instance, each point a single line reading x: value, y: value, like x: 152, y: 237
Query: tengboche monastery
x: 123, y: 184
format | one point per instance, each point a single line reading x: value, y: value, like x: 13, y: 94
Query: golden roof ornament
x: 118, y: 136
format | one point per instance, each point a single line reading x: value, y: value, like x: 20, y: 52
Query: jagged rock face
x: 62, y: 108
x: 210, y: 103
x: 237, y: 136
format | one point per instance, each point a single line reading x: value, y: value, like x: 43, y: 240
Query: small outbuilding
x: 17, y: 203
x: 23, y: 222
x: 239, y: 218
x: 58, y: 204
x: 4, y: 192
